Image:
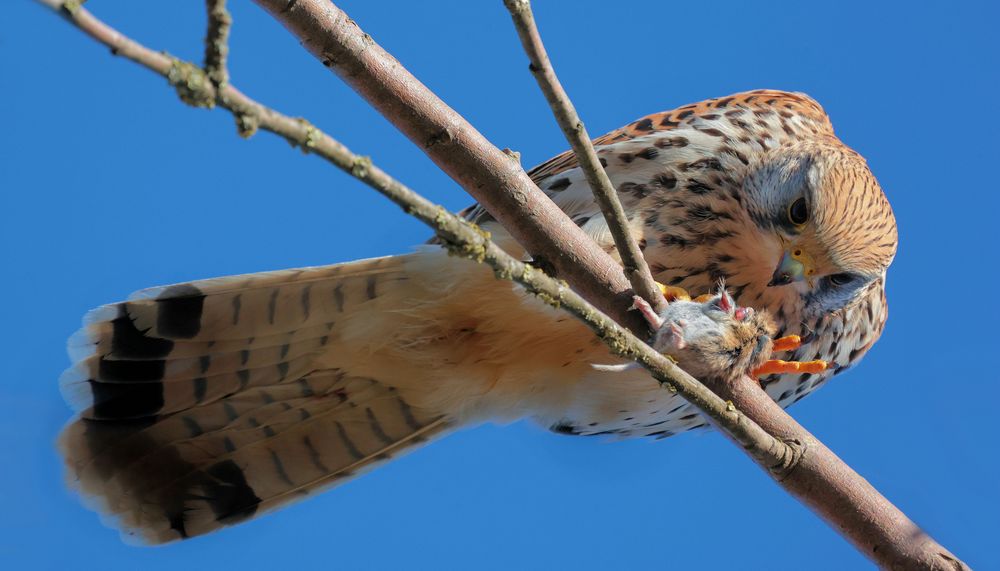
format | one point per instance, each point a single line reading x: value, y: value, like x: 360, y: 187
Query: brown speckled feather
x: 758, y: 103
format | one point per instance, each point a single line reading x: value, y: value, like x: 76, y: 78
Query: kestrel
x: 207, y: 403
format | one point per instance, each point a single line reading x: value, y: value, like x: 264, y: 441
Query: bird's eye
x: 798, y: 213
x: 840, y: 279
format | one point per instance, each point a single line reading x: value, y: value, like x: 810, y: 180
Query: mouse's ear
x: 726, y: 302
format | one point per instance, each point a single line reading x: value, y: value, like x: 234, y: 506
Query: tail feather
x: 96, y: 339
x: 172, y: 347
x: 278, y: 302
x: 207, y: 403
x: 104, y: 388
x: 127, y: 442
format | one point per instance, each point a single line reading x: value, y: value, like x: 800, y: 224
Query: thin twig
x: 217, y: 42
x: 797, y: 460
x: 636, y: 269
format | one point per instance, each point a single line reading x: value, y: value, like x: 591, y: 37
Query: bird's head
x: 832, y: 230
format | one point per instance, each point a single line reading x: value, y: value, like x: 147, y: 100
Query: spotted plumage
x: 203, y: 404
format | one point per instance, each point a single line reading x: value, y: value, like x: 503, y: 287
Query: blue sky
x: 108, y: 184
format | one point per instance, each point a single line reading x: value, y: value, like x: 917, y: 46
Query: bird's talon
x: 673, y: 293
x: 779, y: 367
x: 787, y: 343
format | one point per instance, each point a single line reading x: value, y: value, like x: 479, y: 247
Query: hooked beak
x: 790, y: 269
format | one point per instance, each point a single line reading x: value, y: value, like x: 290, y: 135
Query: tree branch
x: 840, y: 496
x: 572, y: 127
x: 217, y: 42
x: 796, y: 460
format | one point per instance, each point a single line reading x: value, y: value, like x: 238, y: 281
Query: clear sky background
x: 108, y: 184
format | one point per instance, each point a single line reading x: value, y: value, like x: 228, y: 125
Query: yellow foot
x: 779, y: 367
x: 674, y: 293
x: 787, y: 343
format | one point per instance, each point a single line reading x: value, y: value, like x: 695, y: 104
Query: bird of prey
x: 203, y: 404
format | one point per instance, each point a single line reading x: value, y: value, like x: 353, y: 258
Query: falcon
x: 204, y: 404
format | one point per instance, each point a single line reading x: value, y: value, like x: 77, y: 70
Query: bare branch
x: 840, y: 496
x: 217, y: 42
x: 796, y: 460
x: 572, y: 127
